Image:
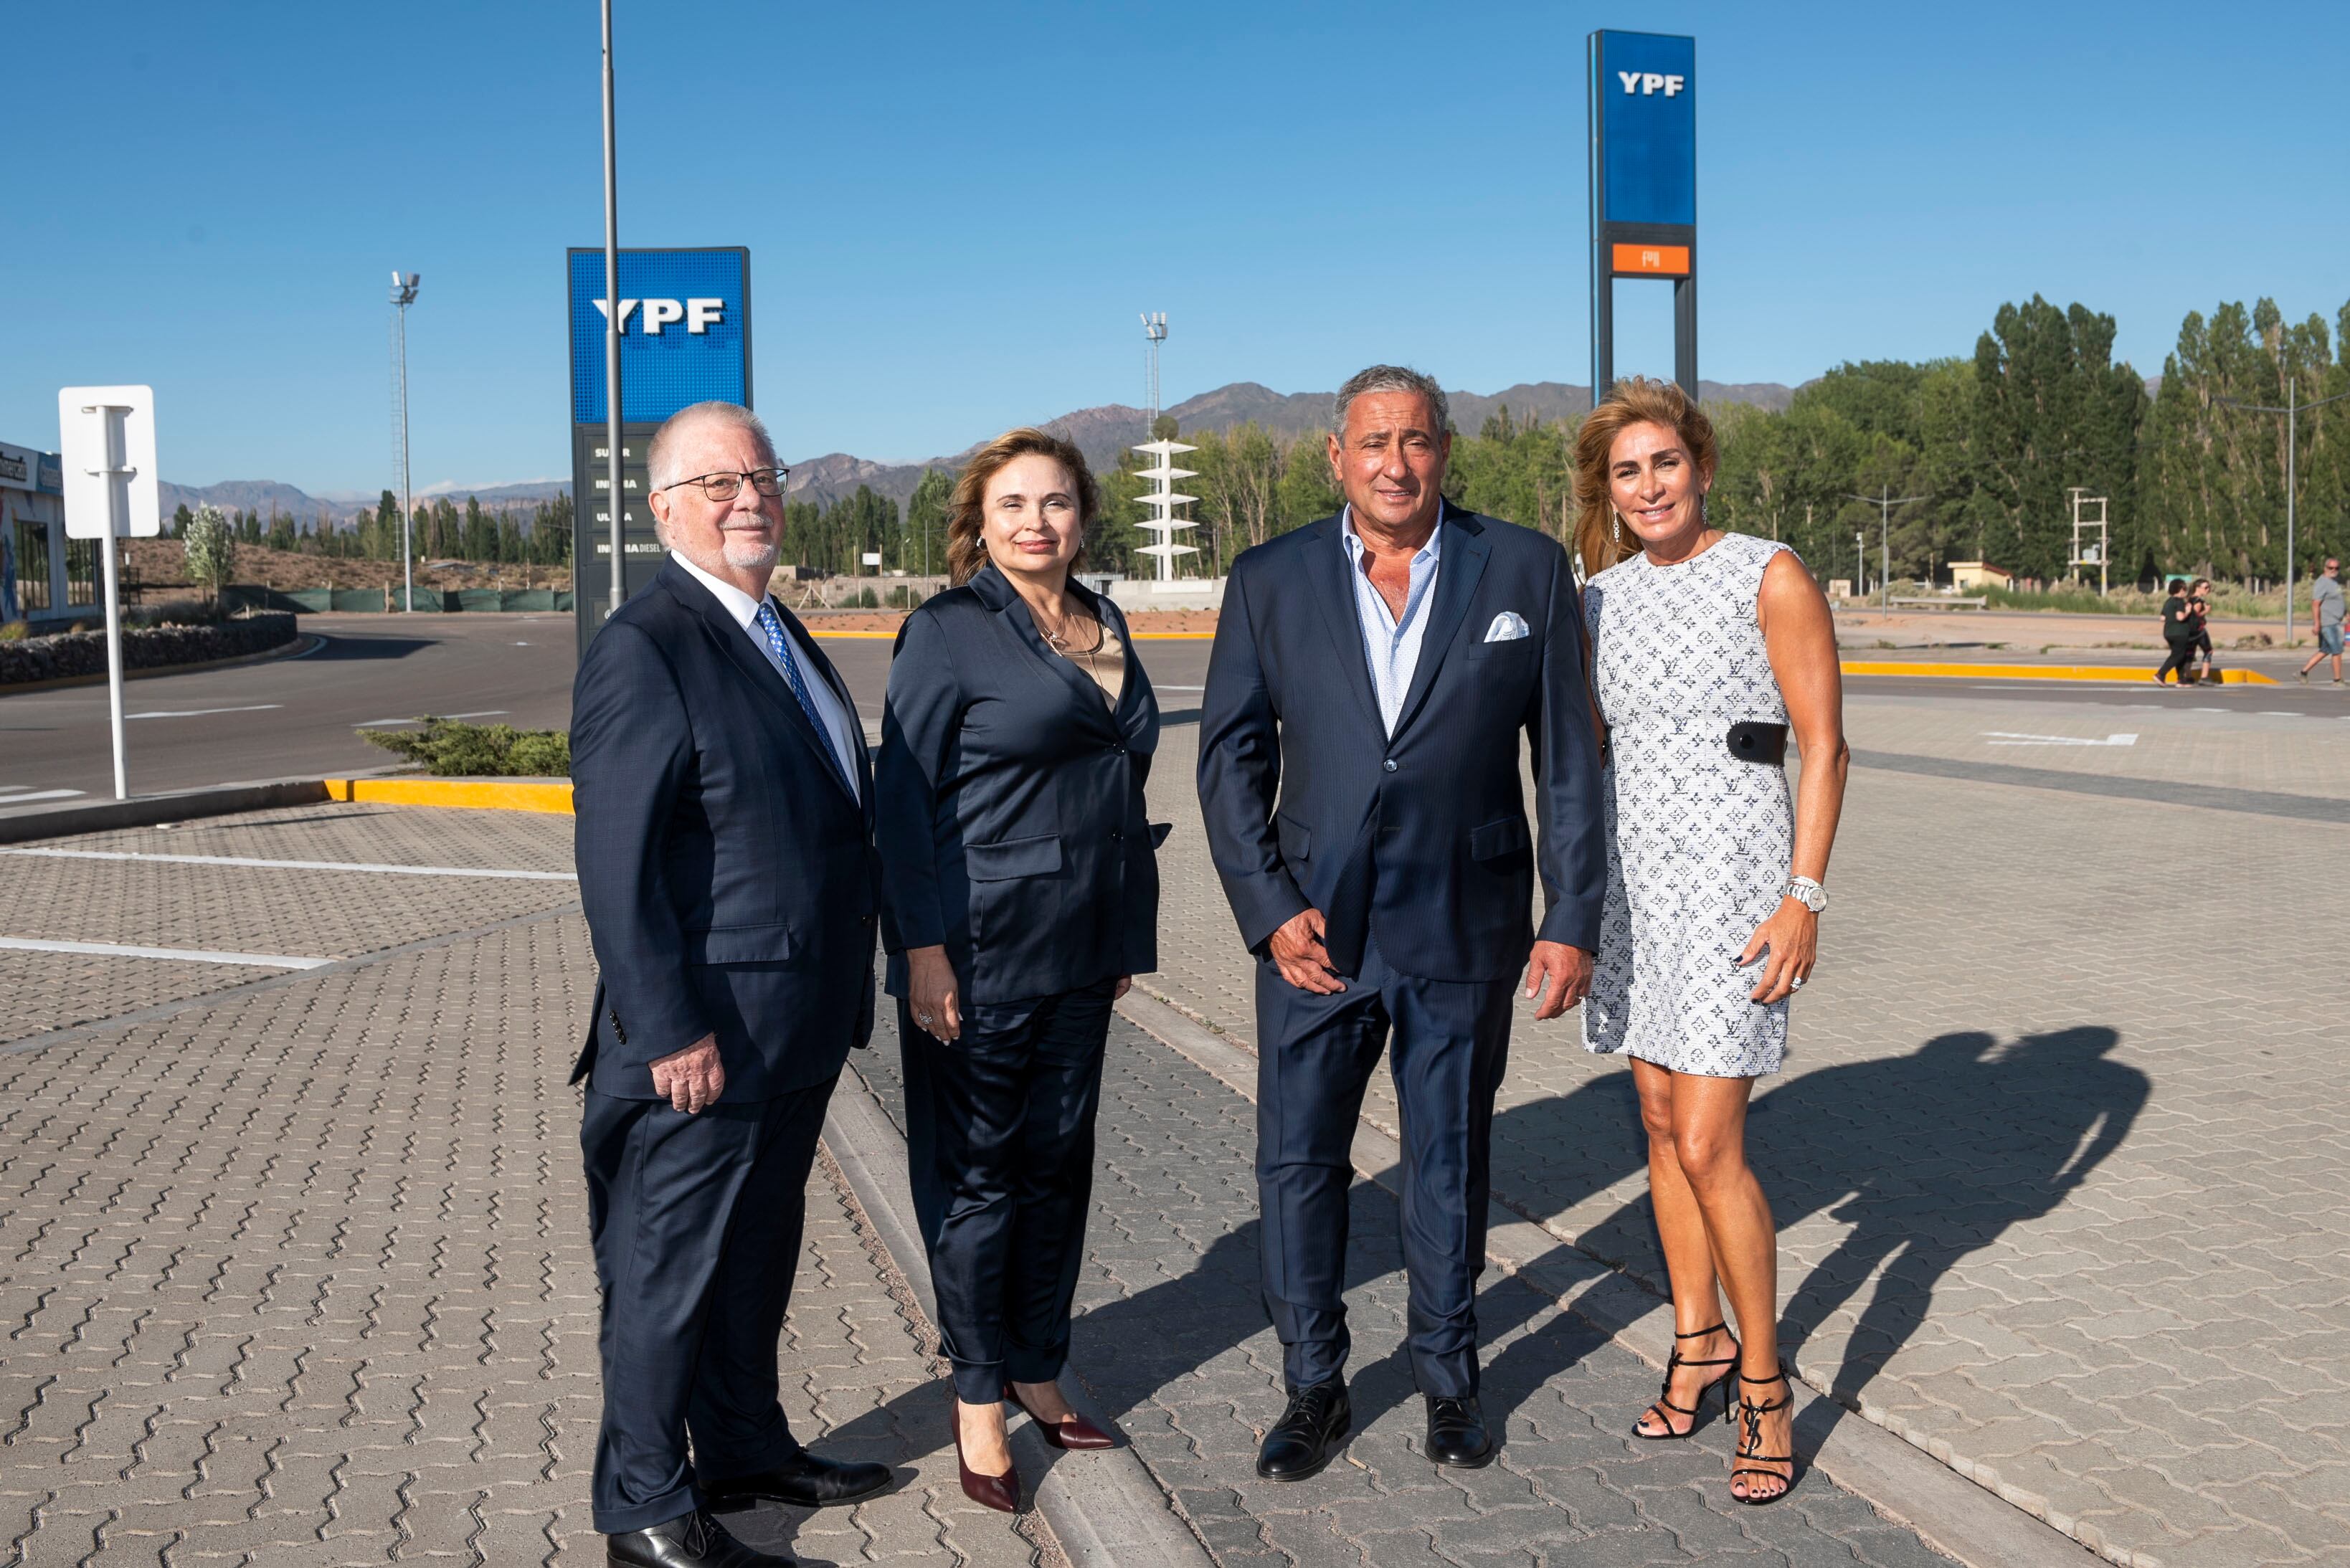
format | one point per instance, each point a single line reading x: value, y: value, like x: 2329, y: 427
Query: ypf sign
x: 685, y: 339
x: 1643, y: 89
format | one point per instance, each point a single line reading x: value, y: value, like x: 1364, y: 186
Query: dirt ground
x: 159, y: 567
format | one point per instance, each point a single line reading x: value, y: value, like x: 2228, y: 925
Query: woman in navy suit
x: 1021, y: 895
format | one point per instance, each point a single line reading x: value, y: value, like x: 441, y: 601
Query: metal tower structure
x: 2086, y: 550
x: 403, y: 295
x: 1154, y: 326
x: 1162, y: 499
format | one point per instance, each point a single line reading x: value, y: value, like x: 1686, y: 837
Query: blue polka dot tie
x: 770, y: 623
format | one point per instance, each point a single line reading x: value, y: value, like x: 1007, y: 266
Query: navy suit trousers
x: 696, y: 1225
x: 1000, y: 1139
x: 1451, y: 1040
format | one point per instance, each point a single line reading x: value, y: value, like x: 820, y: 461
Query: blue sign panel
x: 685, y: 332
x: 1644, y: 92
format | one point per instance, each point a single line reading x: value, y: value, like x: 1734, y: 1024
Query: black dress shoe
x: 1308, y: 1435
x: 689, y: 1540
x: 1456, y: 1433
x: 805, y: 1480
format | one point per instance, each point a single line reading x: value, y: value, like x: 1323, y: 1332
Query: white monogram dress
x: 1697, y: 840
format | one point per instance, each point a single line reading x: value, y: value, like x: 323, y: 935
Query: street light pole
x: 2292, y: 412
x: 1885, y: 502
x: 612, y: 332
x: 403, y: 295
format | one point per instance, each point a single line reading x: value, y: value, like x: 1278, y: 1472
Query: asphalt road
x: 290, y: 717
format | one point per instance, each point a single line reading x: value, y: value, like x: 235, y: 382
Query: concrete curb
x: 1107, y: 1509
x: 552, y: 795
x: 147, y: 810
x: 1958, y: 670
x: 1953, y: 1512
x: 302, y: 646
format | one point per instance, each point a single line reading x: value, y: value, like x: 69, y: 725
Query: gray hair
x: 660, y: 458
x: 1393, y: 378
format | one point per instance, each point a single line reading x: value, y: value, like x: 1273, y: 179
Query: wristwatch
x: 1807, y: 893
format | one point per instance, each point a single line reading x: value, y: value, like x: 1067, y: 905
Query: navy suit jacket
x: 1011, y: 822
x: 728, y: 876
x: 1418, y: 842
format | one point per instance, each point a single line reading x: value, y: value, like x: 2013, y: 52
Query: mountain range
x: 1101, y: 434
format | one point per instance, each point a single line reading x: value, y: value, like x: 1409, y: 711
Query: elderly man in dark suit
x: 726, y: 865
x: 1359, y: 765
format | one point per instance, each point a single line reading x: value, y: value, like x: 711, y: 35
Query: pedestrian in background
x: 2198, y: 618
x: 724, y: 850
x: 2325, y: 614
x: 1707, y: 648
x: 2178, y: 632
x: 1377, y: 680
x: 1020, y: 897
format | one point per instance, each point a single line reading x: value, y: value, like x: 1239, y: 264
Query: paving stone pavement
x: 298, y: 1274
x: 1173, y: 1338
x: 2058, y: 1200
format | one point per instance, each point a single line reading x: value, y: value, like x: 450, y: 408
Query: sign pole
x: 612, y: 331
x: 108, y: 546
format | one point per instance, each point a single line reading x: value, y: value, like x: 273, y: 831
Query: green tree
x: 926, y: 522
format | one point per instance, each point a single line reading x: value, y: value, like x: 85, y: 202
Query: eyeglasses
x: 727, y: 486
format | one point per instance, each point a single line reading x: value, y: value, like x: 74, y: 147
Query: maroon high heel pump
x: 1072, y: 1432
x: 1000, y: 1493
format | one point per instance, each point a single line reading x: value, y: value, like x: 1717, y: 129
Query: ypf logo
x: 1648, y: 83
x: 698, y: 315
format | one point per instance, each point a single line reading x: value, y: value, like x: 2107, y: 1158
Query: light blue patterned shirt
x: 1391, y: 646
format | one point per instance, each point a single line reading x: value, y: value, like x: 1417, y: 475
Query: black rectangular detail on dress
x: 1753, y: 740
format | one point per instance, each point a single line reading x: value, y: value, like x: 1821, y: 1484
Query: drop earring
x: 1620, y: 532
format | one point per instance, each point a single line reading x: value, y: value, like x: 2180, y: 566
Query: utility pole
x: 1860, y: 562
x: 1154, y: 326
x: 2292, y: 412
x: 612, y: 334
x: 1885, y: 500
x: 403, y: 295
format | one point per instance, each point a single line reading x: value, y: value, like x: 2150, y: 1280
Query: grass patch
x: 454, y: 750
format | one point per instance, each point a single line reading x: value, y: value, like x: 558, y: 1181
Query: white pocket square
x: 1508, y: 627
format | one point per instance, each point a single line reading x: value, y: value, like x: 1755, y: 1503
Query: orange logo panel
x: 1662, y: 261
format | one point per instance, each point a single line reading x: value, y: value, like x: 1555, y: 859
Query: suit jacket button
x: 1389, y: 764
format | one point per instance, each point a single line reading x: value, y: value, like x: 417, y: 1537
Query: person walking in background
x: 1021, y: 896
x: 2325, y: 615
x: 724, y: 847
x: 2199, y: 625
x: 1707, y: 648
x: 2178, y: 633
x: 1360, y: 768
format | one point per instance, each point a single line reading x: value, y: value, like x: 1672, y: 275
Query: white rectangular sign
x: 107, y: 435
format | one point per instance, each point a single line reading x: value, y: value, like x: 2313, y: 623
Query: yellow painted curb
x: 480, y: 795
x: 2034, y: 672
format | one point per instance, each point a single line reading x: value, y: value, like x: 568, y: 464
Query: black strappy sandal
x: 1694, y: 1412
x: 1750, y: 1440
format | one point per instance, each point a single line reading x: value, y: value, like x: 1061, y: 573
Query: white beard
x: 748, y: 555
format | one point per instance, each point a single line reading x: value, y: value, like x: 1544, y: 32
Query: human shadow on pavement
x: 1924, y: 1158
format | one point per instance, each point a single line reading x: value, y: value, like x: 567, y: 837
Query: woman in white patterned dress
x: 1706, y: 650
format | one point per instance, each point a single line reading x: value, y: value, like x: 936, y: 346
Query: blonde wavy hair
x: 1637, y: 400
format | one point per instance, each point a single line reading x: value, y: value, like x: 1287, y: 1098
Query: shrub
x: 902, y: 597
x: 15, y: 631
x: 455, y: 750
x: 865, y: 600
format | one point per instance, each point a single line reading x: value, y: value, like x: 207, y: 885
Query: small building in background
x: 37, y: 576
x: 1966, y: 576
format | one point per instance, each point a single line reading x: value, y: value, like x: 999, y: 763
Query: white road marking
x: 2271, y: 712
x: 18, y: 796
x: 388, y: 723
x: 191, y: 955
x: 201, y: 712
x: 295, y: 865
x: 2010, y: 738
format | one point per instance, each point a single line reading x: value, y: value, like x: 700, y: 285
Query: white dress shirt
x: 1391, y: 646
x: 848, y: 737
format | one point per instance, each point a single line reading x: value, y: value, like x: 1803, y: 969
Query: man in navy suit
x: 1360, y: 768
x: 726, y: 865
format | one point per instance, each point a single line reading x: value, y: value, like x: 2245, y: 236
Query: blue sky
x: 955, y: 211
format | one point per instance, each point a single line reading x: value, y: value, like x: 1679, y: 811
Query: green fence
x: 314, y: 601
